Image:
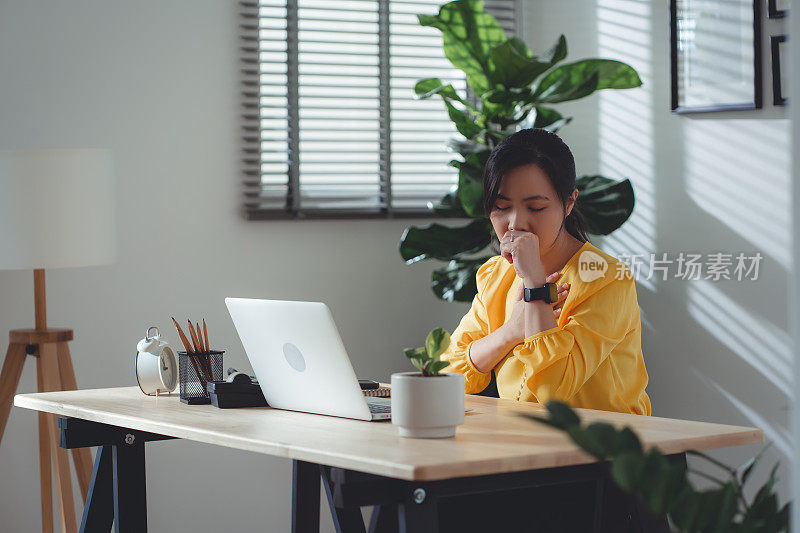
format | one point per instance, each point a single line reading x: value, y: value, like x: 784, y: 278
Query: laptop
x: 299, y: 359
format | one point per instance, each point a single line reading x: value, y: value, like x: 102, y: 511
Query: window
x: 331, y: 127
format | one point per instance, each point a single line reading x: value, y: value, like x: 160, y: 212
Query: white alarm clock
x: 156, y: 365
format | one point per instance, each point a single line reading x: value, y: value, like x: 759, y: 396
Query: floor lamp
x: 56, y: 211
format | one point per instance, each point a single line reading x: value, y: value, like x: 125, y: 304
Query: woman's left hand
x: 523, y: 253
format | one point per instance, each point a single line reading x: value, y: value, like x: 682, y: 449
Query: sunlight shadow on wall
x: 778, y: 436
x: 762, y: 345
x: 625, y: 140
x: 737, y: 172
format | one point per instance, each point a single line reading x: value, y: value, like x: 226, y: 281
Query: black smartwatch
x: 548, y: 292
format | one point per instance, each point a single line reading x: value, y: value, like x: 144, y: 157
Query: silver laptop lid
x: 298, y: 357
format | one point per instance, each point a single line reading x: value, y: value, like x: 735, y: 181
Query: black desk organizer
x: 192, y: 385
x: 240, y: 393
x: 246, y: 392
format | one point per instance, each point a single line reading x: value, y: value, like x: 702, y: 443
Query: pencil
x: 197, y: 346
x: 204, y: 359
x: 188, y: 347
x: 207, y: 344
x: 182, y: 335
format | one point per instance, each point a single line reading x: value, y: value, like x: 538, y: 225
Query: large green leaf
x: 782, y: 520
x: 437, y: 342
x: 514, y: 66
x: 468, y: 34
x: 467, y: 147
x: 655, y: 465
x: 626, y: 470
x: 579, y: 79
x: 465, y: 125
x: 493, y: 138
x: 606, y: 435
x: 557, y: 52
x: 726, y: 510
x: 549, y: 119
x: 764, y: 508
x: 541, y: 420
x: 455, y: 282
x: 443, y: 242
x: 605, y: 203
x: 700, y: 511
x: 588, y: 441
x: 470, y: 190
x: 627, y: 441
x: 663, y: 490
x: 470, y: 182
x: 562, y: 414
x: 429, y: 87
x: 449, y: 206
x: 564, y: 89
x: 748, y: 467
x: 433, y: 86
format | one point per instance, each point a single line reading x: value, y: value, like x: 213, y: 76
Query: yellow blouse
x: 592, y: 359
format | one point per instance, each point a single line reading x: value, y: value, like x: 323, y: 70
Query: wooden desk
x: 362, y: 463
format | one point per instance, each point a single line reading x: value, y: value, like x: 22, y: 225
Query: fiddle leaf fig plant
x: 427, y: 358
x: 509, y: 88
x: 663, y: 486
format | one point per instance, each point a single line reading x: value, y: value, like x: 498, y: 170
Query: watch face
x: 553, y: 292
x: 168, y: 368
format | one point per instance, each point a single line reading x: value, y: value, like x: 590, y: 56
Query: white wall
x: 794, y: 279
x: 157, y: 82
x: 715, y: 182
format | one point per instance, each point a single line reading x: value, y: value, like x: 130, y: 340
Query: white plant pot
x: 427, y: 407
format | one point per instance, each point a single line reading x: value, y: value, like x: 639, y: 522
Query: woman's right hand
x: 515, y: 325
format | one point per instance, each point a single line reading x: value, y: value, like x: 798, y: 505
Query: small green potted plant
x: 428, y: 403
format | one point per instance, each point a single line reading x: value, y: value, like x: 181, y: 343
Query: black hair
x: 547, y: 151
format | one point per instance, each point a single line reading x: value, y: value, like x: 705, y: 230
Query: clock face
x: 168, y: 368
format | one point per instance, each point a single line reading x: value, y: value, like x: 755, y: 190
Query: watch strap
x: 548, y: 292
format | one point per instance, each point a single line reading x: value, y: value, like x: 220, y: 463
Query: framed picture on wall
x: 779, y: 69
x: 777, y: 9
x: 715, y: 55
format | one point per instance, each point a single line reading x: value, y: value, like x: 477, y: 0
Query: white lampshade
x: 57, y: 209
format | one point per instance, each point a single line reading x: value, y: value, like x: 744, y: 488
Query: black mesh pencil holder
x: 194, y: 369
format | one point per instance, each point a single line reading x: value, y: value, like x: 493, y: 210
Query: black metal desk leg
x: 384, y: 519
x: 598, y: 505
x: 419, y: 513
x: 130, y: 495
x: 98, y: 513
x: 305, y: 497
x: 119, y: 464
x: 345, y: 519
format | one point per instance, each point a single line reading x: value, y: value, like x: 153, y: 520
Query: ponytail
x: 575, y: 225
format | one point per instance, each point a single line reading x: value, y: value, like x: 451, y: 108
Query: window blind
x: 331, y: 127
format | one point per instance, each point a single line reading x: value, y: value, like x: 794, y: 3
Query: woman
x: 587, y: 351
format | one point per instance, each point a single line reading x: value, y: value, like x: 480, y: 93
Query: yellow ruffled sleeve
x: 473, y: 326
x: 558, y: 361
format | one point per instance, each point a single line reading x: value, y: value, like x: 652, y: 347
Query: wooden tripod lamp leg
x: 9, y: 380
x: 82, y: 457
x: 45, y: 454
x: 52, y: 382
